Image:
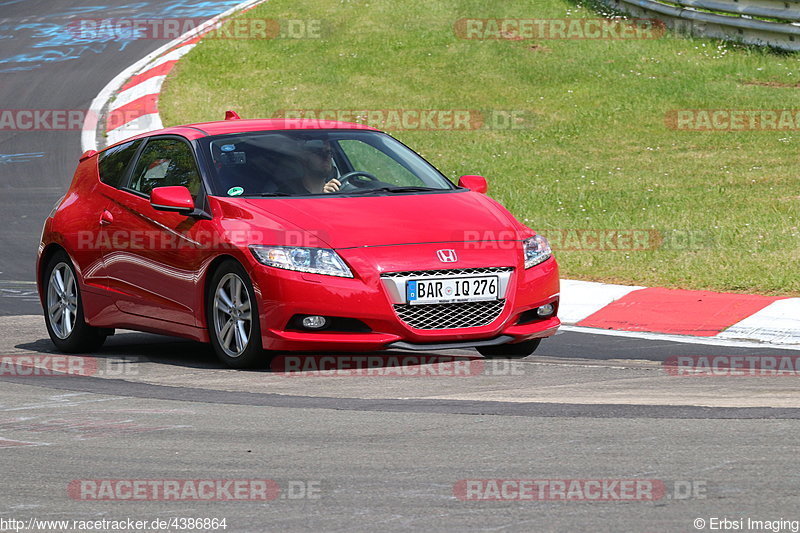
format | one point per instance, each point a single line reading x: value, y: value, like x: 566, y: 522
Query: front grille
x: 449, y: 316
x: 446, y: 272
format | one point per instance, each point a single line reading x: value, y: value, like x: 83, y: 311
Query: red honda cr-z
x: 270, y: 235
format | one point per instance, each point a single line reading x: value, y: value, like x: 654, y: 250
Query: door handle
x: 106, y: 218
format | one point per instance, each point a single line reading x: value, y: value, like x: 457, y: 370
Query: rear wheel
x: 233, y: 323
x: 63, y: 309
x: 509, y: 351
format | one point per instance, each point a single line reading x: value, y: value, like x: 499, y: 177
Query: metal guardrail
x: 732, y: 19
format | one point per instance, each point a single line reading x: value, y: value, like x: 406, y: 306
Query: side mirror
x: 474, y: 183
x: 176, y: 199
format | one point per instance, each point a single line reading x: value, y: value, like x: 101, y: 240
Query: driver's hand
x: 332, y: 186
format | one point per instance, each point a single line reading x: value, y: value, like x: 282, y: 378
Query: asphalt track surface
x: 383, y: 452
x: 45, y: 66
x: 379, y: 453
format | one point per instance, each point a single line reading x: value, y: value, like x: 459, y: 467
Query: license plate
x: 452, y: 290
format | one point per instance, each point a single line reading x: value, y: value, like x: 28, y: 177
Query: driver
x: 318, y: 168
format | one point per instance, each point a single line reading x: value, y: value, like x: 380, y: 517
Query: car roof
x: 221, y: 127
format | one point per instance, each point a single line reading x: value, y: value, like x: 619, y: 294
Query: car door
x: 155, y: 259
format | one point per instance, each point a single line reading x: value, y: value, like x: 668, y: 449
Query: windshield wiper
x: 263, y: 194
x: 399, y: 189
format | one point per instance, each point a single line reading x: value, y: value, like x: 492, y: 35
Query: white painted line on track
x: 9, y: 443
x: 710, y: 341
x: 777, y: 323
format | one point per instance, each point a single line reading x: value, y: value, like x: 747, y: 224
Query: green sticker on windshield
x: 235, y: 191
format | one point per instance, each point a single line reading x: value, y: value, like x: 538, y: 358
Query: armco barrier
x: 734, y: 20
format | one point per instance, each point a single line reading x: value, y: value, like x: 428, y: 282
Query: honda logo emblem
x: 447, y: 256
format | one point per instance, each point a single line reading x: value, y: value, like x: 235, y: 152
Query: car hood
x: 357, y: 221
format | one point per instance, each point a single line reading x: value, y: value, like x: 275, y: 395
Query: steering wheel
x: 366, y: 177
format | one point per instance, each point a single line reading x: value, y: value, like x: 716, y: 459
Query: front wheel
x: 509, y: 351
x: 233, y: 324
x: 63, y: 309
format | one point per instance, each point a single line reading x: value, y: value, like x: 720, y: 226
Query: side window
x: 113, y: 163
x: 370, y: 159
x: 164, y: 163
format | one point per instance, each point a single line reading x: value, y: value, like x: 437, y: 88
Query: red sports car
x: 272, y: 235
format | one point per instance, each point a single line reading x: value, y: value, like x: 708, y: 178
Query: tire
x: 509, y: 351
x: 63, y: 309
x: 232, y: 317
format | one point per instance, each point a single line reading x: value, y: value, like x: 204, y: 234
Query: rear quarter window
x: 113, y: 163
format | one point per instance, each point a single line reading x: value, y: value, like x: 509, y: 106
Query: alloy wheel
x: 232, y: 315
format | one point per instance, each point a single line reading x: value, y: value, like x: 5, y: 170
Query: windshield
x: 311, y: 162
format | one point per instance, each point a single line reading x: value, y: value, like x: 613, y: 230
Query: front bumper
x: 283, y: 294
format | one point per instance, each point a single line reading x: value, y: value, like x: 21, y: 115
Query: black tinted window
x: 113, y: 163
x: 304, y: 162
x: 164, y: 163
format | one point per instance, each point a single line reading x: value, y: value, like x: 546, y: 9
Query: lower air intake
x: 450, y: 316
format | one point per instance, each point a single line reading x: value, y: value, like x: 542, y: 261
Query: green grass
x: 597, y: 153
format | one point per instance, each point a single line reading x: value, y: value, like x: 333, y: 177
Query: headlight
x: 314, y: 260
x: 537, y: 250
